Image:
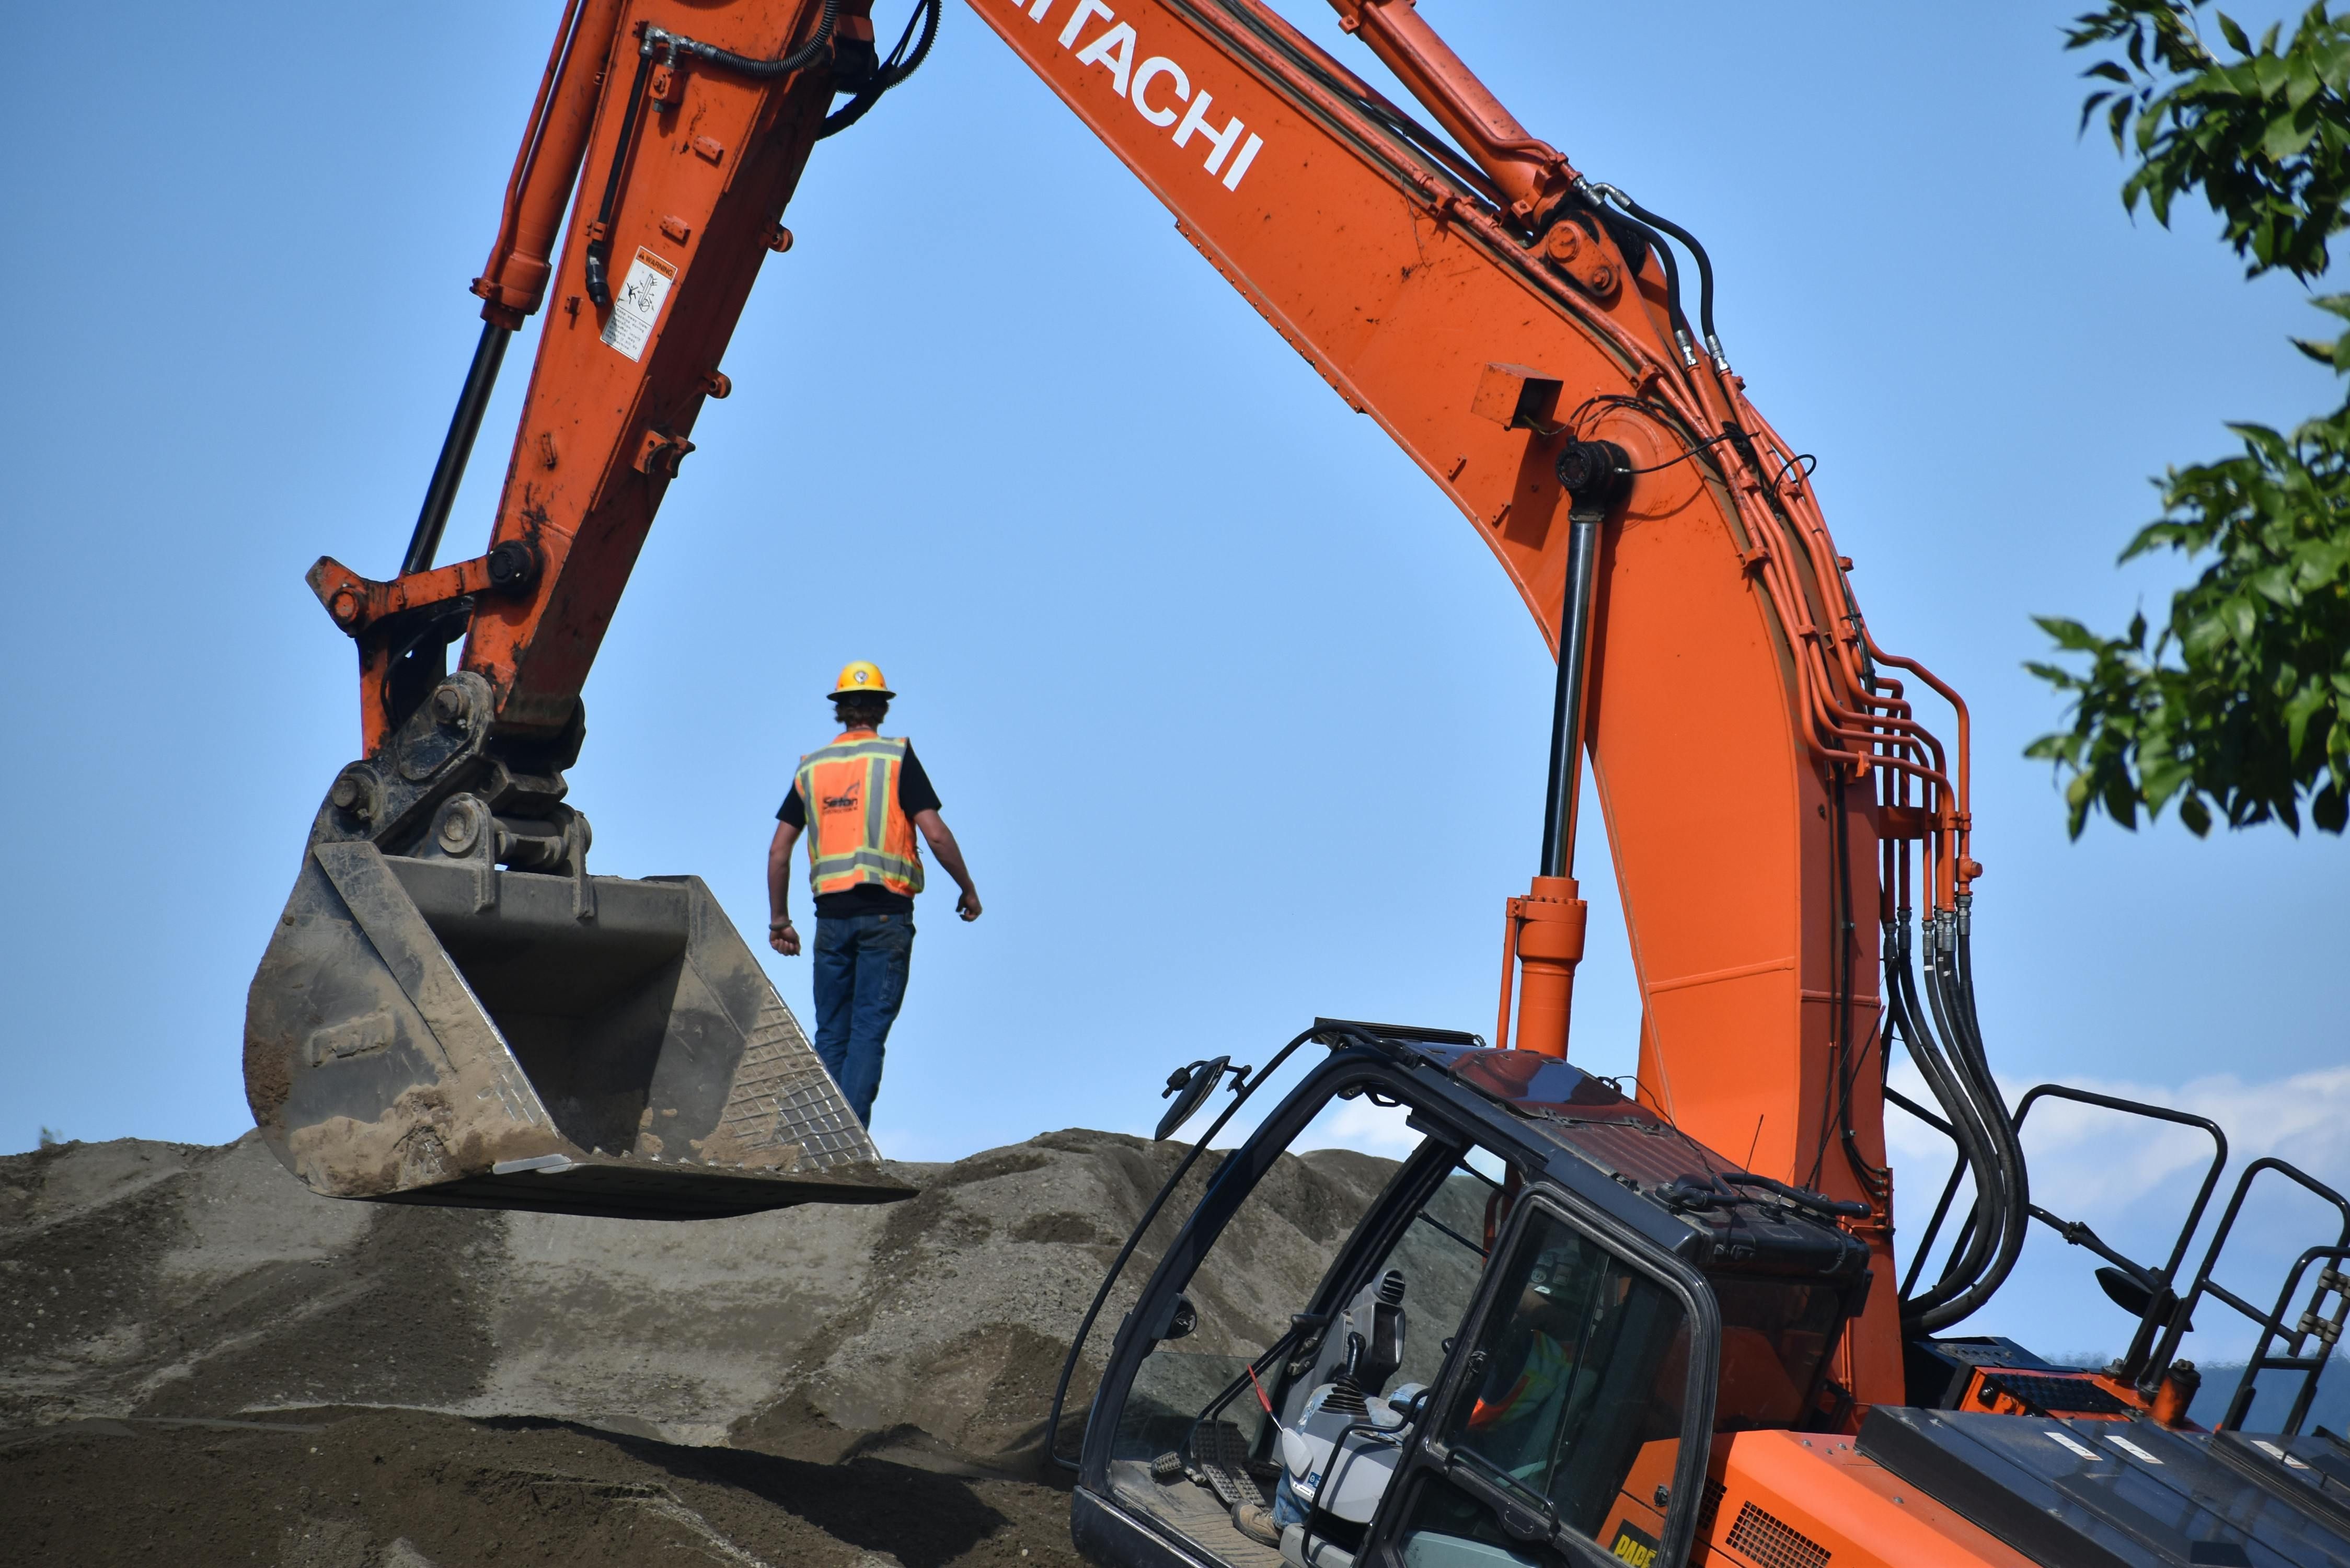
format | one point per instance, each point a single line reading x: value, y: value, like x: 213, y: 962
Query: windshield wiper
x: 1522, y: 1515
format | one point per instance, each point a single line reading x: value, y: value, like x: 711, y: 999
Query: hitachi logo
x: 1114, y: 49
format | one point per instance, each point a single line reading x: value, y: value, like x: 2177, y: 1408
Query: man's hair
x: 859, y: 709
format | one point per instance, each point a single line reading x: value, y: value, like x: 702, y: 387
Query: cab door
x: 1571, y: 1424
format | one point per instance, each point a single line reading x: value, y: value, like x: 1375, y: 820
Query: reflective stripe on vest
x: 857, y: 831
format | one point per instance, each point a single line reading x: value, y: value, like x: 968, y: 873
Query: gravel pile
x: 201, y: 1359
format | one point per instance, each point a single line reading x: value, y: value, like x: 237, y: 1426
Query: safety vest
x: 857, y: 831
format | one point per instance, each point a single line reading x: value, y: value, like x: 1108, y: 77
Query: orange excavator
x: 1569, y: 1327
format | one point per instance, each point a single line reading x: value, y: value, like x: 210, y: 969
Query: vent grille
x: 1709, y: 1505
x: 1770, y: 1542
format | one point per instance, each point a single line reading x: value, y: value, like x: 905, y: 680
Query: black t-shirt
x: 914, y: 795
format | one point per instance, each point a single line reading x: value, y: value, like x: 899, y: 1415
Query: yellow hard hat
x: 861, y: 679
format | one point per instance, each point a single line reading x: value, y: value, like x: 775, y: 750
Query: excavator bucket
x: 437, y: 1031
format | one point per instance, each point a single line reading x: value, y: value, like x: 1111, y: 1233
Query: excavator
x: 1654, y: 1320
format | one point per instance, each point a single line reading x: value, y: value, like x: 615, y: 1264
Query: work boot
x: 1254, y: 1521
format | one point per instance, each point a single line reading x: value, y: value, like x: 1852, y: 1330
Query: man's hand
x: 780, y: 934
x: 943, y: 844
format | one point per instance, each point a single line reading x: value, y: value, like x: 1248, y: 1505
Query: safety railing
x: 2314, y: 1323
x: 2127, y: 1281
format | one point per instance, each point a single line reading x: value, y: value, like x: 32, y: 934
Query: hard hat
x: 862, y: 679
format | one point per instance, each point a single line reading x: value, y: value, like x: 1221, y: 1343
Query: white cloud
x: 2087, y: 1158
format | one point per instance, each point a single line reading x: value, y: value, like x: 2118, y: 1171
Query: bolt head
x: 448, y: 704
x: 460, y: 826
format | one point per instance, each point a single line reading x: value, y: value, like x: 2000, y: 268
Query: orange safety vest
x: 857, y: 831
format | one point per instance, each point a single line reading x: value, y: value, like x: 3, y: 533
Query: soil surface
x: 201, y: 1361
x: 404, y: 1489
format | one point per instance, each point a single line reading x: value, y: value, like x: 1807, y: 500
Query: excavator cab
x: 1514, y: 1348
x: 1559, y: 1332
x: 452, y: 1010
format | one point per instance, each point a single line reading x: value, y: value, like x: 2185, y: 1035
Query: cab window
x: 1570, y: 1413
x: 1775, y: 1337
x: 1237, y: 1395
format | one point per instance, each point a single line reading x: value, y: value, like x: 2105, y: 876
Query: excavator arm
x: 1775, y: 809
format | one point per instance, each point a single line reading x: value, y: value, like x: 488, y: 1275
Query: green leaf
x: 2305, y: 704
x: 2063, y: 680
x: 2243, y: 621
x: 2285, y: 136
x: 2070, y: 635
x: 2240, y: 707
x: 2275, y: 583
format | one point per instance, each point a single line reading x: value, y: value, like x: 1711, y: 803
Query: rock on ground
x: 782, y: 1382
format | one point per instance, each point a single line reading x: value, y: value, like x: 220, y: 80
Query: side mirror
x: 1190, y: 1086
x: 1183, y: 1317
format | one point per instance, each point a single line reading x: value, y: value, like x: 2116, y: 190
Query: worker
x: 867, y: 798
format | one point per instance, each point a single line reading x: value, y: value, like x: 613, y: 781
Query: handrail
x: 2136, y: 1364
x: 2182, y: 1316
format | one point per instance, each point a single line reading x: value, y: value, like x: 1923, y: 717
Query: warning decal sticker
x: 637, y: 306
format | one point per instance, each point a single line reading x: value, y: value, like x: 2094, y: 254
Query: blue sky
x: 1176, y: 631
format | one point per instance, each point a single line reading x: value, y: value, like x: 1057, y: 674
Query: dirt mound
x: 819, y: 1360
x: 398, y: 1489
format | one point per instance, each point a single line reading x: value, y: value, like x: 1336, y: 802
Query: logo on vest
x: 845, y: 802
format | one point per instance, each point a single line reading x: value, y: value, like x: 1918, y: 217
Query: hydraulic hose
x: 807, y: 54
x: 1986, y: 1249
x: 1955, y: 981
x: 2015, y: 1177
x: 892, y: 71
x: 1672, y: 283
x: 1985, y: 1229
x: 1704, y: 272
x: 1932, y: 1307
x: 1597, y: 190
x: 598, y: 264
x: 661, y: 45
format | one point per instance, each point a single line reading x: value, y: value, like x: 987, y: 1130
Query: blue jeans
x: 860, y: 981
